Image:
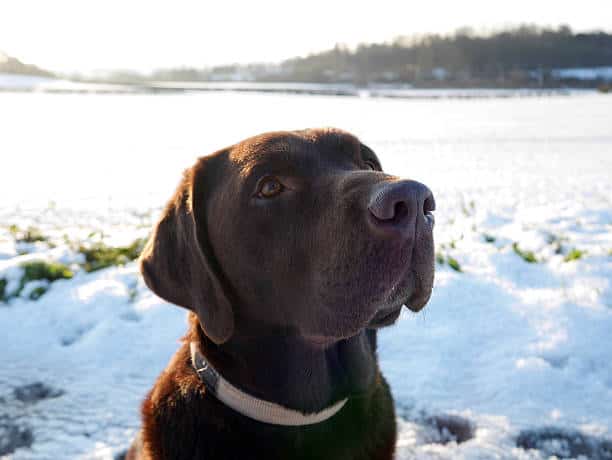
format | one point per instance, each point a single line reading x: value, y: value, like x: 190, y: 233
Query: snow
x: 9, y: 81
x: 68, y: 86
x: 584, y: 73
x: 506, y: 347
x: 17, y: 82
x: 530, y: 342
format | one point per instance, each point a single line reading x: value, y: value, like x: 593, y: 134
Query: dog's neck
x: 250, y: 406
x: 290, y: 372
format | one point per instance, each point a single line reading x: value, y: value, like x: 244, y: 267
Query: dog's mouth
x: 430, y: 218
x: 321, y: 341
x: 385, y: 317
x: 418, y: 301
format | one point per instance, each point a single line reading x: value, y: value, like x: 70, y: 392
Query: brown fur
x: 181, y: 421
x: 286, y: 293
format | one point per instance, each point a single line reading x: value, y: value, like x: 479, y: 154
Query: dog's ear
x: 178, y: 263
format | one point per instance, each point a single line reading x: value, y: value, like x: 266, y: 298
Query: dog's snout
x: 394, y: 206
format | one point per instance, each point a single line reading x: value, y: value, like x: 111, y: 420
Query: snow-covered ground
x: 17, y: 82
x: 505, y: 348
x: 12, y: 82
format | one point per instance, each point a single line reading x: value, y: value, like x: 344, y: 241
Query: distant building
x: 583, y: 73
x: 439, y: 73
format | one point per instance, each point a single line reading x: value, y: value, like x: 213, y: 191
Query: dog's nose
x: 394, y: 206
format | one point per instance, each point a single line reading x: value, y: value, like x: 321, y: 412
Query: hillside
x: 520, y: 57
x: 12, y: 65
x: 510, y: 57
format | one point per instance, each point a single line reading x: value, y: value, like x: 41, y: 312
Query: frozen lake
x: 132, y: 148
x: 515, y: 339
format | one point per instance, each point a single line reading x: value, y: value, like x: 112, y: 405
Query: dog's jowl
x: 290, y: 249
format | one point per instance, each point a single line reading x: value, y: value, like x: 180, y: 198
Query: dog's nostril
x: 429, y: 204
x: 400, y: 211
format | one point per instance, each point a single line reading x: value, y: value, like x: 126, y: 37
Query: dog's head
x: 294, y: 231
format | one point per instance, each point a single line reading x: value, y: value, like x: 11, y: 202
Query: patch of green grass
x: 29, y: 235
x: 98, y: 233
x: 3, y: 284
x: 489, y: 238
x: 41, y: 270
x: 574, y: 254
x: 38, y: 292
x: 527, y: 256
x: 100, y: 256
x: 452, y: 262
x: 441, y: 259
x: 33, y: 271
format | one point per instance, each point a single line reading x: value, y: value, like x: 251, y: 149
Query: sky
x: 85, y: 36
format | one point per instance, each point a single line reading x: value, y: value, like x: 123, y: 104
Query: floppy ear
x: 178, y: 263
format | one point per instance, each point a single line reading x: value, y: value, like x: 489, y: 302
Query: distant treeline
x: 511, y: 56
x: 519, y: 57
x: 524, y: 55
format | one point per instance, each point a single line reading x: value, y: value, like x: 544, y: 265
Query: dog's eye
x: 371, y: 165
x: 269, y: 187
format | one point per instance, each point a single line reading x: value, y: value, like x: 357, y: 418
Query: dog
x: 290, y: 249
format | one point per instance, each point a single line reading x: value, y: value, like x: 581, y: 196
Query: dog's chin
x: 413, y: 292
x: 383, y: 318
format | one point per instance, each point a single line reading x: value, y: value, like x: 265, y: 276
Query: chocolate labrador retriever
x: 290, y: 249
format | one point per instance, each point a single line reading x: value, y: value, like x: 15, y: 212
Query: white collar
x: 250, y: 406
